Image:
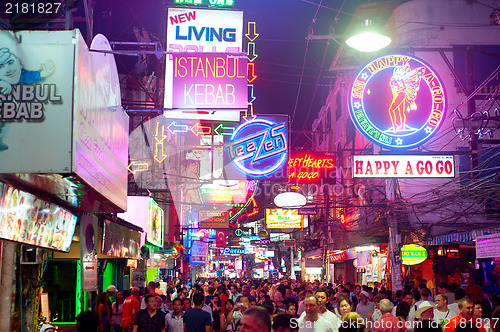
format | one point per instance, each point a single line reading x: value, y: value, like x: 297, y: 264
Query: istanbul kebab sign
x: 397, y: 101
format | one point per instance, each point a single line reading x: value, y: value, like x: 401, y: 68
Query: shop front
x: 343, y: 268
x: 59, y: 162
x: 313, y: 265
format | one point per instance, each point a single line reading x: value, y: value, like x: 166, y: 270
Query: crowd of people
x: 289, y: 305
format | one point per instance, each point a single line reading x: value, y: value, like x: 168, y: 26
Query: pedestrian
x: 186, y: 304
x: 215, y: 304
x: 284, y: 322
x: 103, y: 312
x: 196, y: 319
x: 311, y: 321
x: 110, y: 291
x: 389, y: 322
x: 150, y: 288
x: 87, y: 321
x: 376, y: 314
x: 131, y: 307
x: 466, y: 307
x: 291, y: 309
x: 256, y: 319
x: 150, y: 319
x: 345, y: 307
x: 47, y: 328
x: 117, y: 312
x: 365, y: 305
x: 174, y: 320
x: 226, y: 321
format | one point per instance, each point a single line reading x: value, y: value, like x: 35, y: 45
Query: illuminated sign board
x: 234, y: 251
x: 199, y: 251
x: 215, y: 3
x: 311, y: 167
x: 120, y: 241
x: 198, y: 31
x: 290, y: 200
x: 24, y: 218
x: 391, y: 166
x: 397, y: 101
x: 236, y: 192
x: 213, y: 219
x: 209, y: 81
x: 258, y: 149
x: 412, y: 254
x: 155, y: 224
x: 340, y: 256
x: 284, y: 218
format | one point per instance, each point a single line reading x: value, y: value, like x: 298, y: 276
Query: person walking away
x: 196, y: 319
x: 117, y: 312
x: 150, y: 319
x: 174, y: 320
x: 131, y: 307
x: 103, y: 312
x: 376, y: 314
x: 87, y: 321
x: 389, y: 322
x: 365, y: 305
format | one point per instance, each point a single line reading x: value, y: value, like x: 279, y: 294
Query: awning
x: 461, y: 237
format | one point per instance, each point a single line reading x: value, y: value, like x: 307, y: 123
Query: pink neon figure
x: 404, y: 85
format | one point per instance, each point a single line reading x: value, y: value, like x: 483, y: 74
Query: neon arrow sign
x: 175, y: 128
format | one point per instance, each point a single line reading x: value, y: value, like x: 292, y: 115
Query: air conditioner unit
x: 31, y: 255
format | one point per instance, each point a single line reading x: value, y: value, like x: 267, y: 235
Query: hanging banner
x: 488, y: 246
x: 120, y: 241
x: 199, y: 251
x: 311, y: 167
x: 88, y: 252
x: 213, y: 219
x: 221, y: 238
x: 284, y: 218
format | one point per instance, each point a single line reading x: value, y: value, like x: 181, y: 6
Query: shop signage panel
x: 227, y: 191
x: 309, y: 209
x: 156, y: 221
x: 290, y: 200
x: 234, y: 251
x: 199, y: 252
x: 413, y: 254
x: 340, y: 256
x: 284, y: 218
x: 26, y: 219
x: 488, y: 246
x: 213, y: 219
x: 210, y: 81
x: 198, y: 31
x: 258, y: 149
x: 221, y: 238
x: 88, y: 252
x: 311, y: 167
x: 403, y: 166
x: 397, y: 101
x: 36, y: 101
x: 120, y: 241
x: 101, y: 125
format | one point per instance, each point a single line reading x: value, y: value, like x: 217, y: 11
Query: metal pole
x: 7, y: 262
x: 292, y: 270
x: 394, y: 241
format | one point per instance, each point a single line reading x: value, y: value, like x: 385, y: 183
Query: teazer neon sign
x: 397, y: 101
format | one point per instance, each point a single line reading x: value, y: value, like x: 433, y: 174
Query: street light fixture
x: 367, y: 39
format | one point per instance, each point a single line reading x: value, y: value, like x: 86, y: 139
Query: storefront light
x: 367, y: 248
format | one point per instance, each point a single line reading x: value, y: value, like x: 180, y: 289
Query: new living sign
x: 198, y: 31
x: 397, y: 101
x: 403, y: 166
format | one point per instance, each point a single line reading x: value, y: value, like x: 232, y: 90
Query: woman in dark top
x: 103, y: 312
x: 215, y: 304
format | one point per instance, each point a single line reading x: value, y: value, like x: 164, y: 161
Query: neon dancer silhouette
x: 404, y: 85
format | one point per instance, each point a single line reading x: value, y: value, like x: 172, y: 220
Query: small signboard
x: 289, y: 243
x: 412, y: 254
x: 309, y: 209
x: 488, y: 246
x: 213, y: 219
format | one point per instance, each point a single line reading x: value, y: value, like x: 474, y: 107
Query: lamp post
x: 368, y: 39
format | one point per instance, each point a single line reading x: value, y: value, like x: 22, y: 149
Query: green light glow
x: 78, y: 306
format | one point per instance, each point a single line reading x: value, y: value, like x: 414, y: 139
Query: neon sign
x: 390, y: 166
x: 310, y: 167
x: 397, y: 101
x: 209, y: 80
x: 259, y: 147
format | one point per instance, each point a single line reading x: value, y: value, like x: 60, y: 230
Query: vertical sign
x: 199, y: 252
x: 251, y: 56
x: 88, y: 253
x: 221, y: 238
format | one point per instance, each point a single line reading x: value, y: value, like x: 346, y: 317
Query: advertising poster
x: 199, y: 252
x: 284, y: 218
x: 120, y: 241
x: 88, y: 252
x: 27, y: 219
x: 156, y: 222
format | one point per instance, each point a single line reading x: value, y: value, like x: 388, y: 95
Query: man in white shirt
x: 322, y: 298
x: 442, y: 313
x: 311, y: 321
x: 425, y: 294
x: 173, y: 320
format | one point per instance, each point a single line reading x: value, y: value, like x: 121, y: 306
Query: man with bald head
x: 388, y: 322
x: 443, y: 313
